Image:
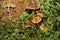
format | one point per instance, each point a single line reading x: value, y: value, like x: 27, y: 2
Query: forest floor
x: 15, y: 9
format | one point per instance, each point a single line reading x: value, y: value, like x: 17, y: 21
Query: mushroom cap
x: 36, y: 19
x: 40, y: 14
x: 32, y: 4
x: 42, y: 27
x: 27, y: 25
x: 30, y: 7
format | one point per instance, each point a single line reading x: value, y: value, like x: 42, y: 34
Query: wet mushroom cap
x: 42, y: 27
x: 40, y: 14
x: 27, y: 25
x: 36, y: 19
x: 32, y: 4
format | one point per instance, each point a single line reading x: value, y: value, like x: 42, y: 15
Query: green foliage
x: 14, y: 29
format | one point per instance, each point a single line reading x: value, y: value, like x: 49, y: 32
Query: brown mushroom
x: 36, y: 19
x: 42, y: 27
x: 27, y: 25
x: 39, y: 13
x: 32, y: 4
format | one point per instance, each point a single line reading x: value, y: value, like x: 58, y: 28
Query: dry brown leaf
x: 36, y: 19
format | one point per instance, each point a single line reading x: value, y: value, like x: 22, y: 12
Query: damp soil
x: 14, y: 11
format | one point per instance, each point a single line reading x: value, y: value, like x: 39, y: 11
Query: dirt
x: 14, y: 11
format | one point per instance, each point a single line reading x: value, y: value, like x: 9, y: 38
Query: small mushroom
x: 39, y: 14
x: 42, y: 27
x: 36, y: 19
x: 27, y: 25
